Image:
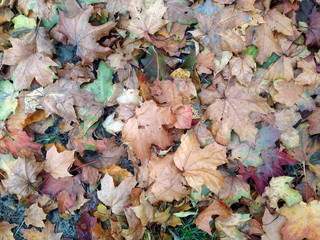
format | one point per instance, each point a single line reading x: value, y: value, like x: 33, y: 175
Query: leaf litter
x: 159, y: 119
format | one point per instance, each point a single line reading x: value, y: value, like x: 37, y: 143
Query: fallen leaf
x: 169, y: 184
x: 242, y: 68
x: 302, y: 220
x: 84, y: 36
x: 22, y: 175
x: 116, y: 197
x: 30, y: 64
x: 215, y: 208
x: 57, y: 164
x: 227, y: 113
x: 266, y: 43
x: 272, y: 225
x: 5, y: 231
x: 47, y: 233
x: 313, y: 33
x: 146, y: 19
x: 35, y: 216
x: 280, y: 189
x: 147, y: 126
x: 199, y: 166
x: 217, y: 27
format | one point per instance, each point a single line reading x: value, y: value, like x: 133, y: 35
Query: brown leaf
x: 242, y: 68
x: 22, y: 175
x: 279, y: 22
x: 309, y: 75
x: 84, y: 36
x: 145, y: 211
x: 215, y: 208
x: 314, y: 120
x: 169, y: 184
x: 217, y: 27
x: 35, y: 216
x: 30, y: 64
x: 57, y: 164
x: 282, y: 68
x: 231, y: 111
x: 199, y: 166
x: 146, y: 19
x: 47, y: 233
x: 116, y: 197
x: 302, y: 220
x: 272, y: 225
x: 5, y: 231
x: 288, y: 92
x: 147, y: 127
x: 266, y: 43
x: 63, y: 96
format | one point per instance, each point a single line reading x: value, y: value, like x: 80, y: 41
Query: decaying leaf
x: 302, y: 221
x: 199, y: 166
x: 116, y: 197
x: 147, y: 125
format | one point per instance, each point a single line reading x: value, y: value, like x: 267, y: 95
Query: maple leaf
x: 215, y: 208
x: 313, y: 33
x: 145, y: 211
x: 271, y: 168
x: 168, y: 183
x: 16, y: 140
x: 302, y: 220
x: 288, y: 92
x: 80, y: 140
x: 35, y: 216
x: 227, y: 113
x: 272, y: 225
x: 5, y: 231
x: 65, y: 200
x: 114, y: 6
x: 229, y: 226
x: 102, y: 87
x: 280, y: 189
x: 8, y: 98
x: 85, y: 226
x: 147, y: 126
x: 241, y: 68
x: 282, y: 68
x: 47, y: 233
x: 22, y: 175
x: 30, y: 64
x: 309, y: 75
x: 314, y: 120
x: 279, y: 22
x: 84, y: 36
x: 116, y: 197
x: 199, y: 166
x: 52, y: 186
x: 266, y: 43
x: 57, y: 164
x: 61, y: 98
x: 234, y: 189
x: 179, y: 11
x: 217, y: 24
x: 146, y: 20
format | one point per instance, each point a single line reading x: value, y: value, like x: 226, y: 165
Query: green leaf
x: 22, y: 22
x: 189, y: 61
x: 280, y: 189
x: 8, y: 99
x: 252, y: 51
x: 151, y: 65
x: 102, y: 88
x: 274, y: 57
